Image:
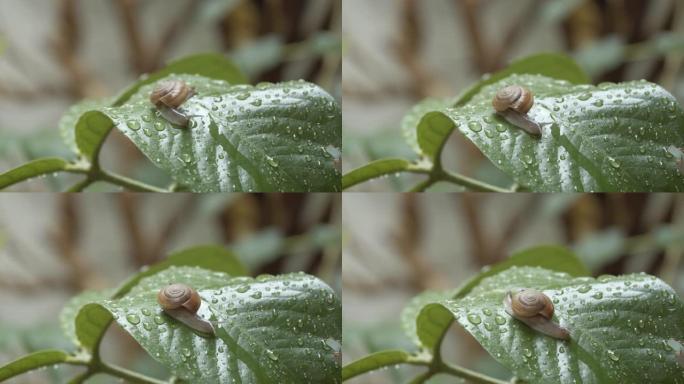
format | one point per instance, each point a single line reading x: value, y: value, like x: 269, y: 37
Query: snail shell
x: 513, y: 97
x: 513, y: 102
x: 171, y: 93
x: 182, y: 303
x: 535, y: 309
x: 168, y: 96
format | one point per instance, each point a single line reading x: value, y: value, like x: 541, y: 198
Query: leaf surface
x: 269, y: 137
x: 437, y: 320
x: 621, y: 327
x: 272, y: 329
x: 614, y: 137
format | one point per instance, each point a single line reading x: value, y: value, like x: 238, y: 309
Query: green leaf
x: 412, y: 118
x: 374, y: 361
x: 373, y: 170
x: 436, y: 320
x: 271, y: 137
x: 67, y: 124
x: 413, y: 308
x: 620, y: 327
x: 91, y: 131
x: 211, y: 257
x: 210, y: 65
x: 32, y: 169
x: 93, y: 322
x: 614, y: 137
x: 551, y: 257
x: 32, y: 361
x: 67, y: 317
x: 279, y: 329
x: 555, y: 65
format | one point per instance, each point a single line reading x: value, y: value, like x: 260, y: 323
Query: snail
x: 182, y: 303
x: 535, y: 309
x: 513, y: 103
x: 168, y: 96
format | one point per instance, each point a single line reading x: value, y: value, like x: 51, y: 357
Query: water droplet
x: 584, y: 96
x: 133, y: 125
x: 271, y: 161
x: 474, y: 319
x: 243, y: 288
x: 475, y: 126
x: 243, y: 96
x: 598, y: 103
x: 597, y: 295
x: 256, y: 295
x: 271, y: 355
x: 613, y: 163
x: 613, y: 356
x: 133, y: 319
x: 584, y: 289
x: 499, y: 320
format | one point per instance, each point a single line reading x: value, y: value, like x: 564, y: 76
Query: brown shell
x: 175, y: 296
x: 514, y: 97
x: 529, y: 302
x: 171, y: 93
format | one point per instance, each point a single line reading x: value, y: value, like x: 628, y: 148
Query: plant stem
x: 133, y: 185
x: 81, y: 185
x: 128, y: 376
x: 472, y: 184
x: 473, y: 376
x: 95, y: 174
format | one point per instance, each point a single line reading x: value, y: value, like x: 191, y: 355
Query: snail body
x: 182, y: 303
x: 168, y: 96
x: 535, y: 309
x: 512, y: 103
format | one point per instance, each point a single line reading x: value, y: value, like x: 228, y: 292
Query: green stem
x: 464, y: 373
x: 95, y: 174
x: 133, y: 185
x: 81, y: 185
x: 126, y: 375
x: 472, y: 184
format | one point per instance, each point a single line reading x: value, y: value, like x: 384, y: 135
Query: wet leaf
x: 613, y: 137
x: 621, y: 327
x: 272, y: 329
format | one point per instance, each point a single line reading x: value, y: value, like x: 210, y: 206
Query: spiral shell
x: 514, y: 97
x: 529, y: 302
x: 176, y: 296
x: 171, y: 93
x: 535, y: 309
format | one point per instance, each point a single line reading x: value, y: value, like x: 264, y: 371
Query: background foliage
x: 406, y: 244
x: 394, y: 61
x: 54, y: 247
x: 53, y: 54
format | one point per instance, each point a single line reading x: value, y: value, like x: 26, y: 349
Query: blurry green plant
x: 611, y: 137
x: 270, y: 137
x: 269, y: 329
x: 623, y: 329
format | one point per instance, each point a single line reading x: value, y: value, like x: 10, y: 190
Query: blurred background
x: 53, y: 246
x: 397, y: 52
x: 397, y: 245
x: 54, y: 53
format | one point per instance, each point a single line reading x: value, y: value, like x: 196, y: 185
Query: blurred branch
x: 66, y: 44
x: 66, y: 237
x: 170, y: 35
x: 137, y: 55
